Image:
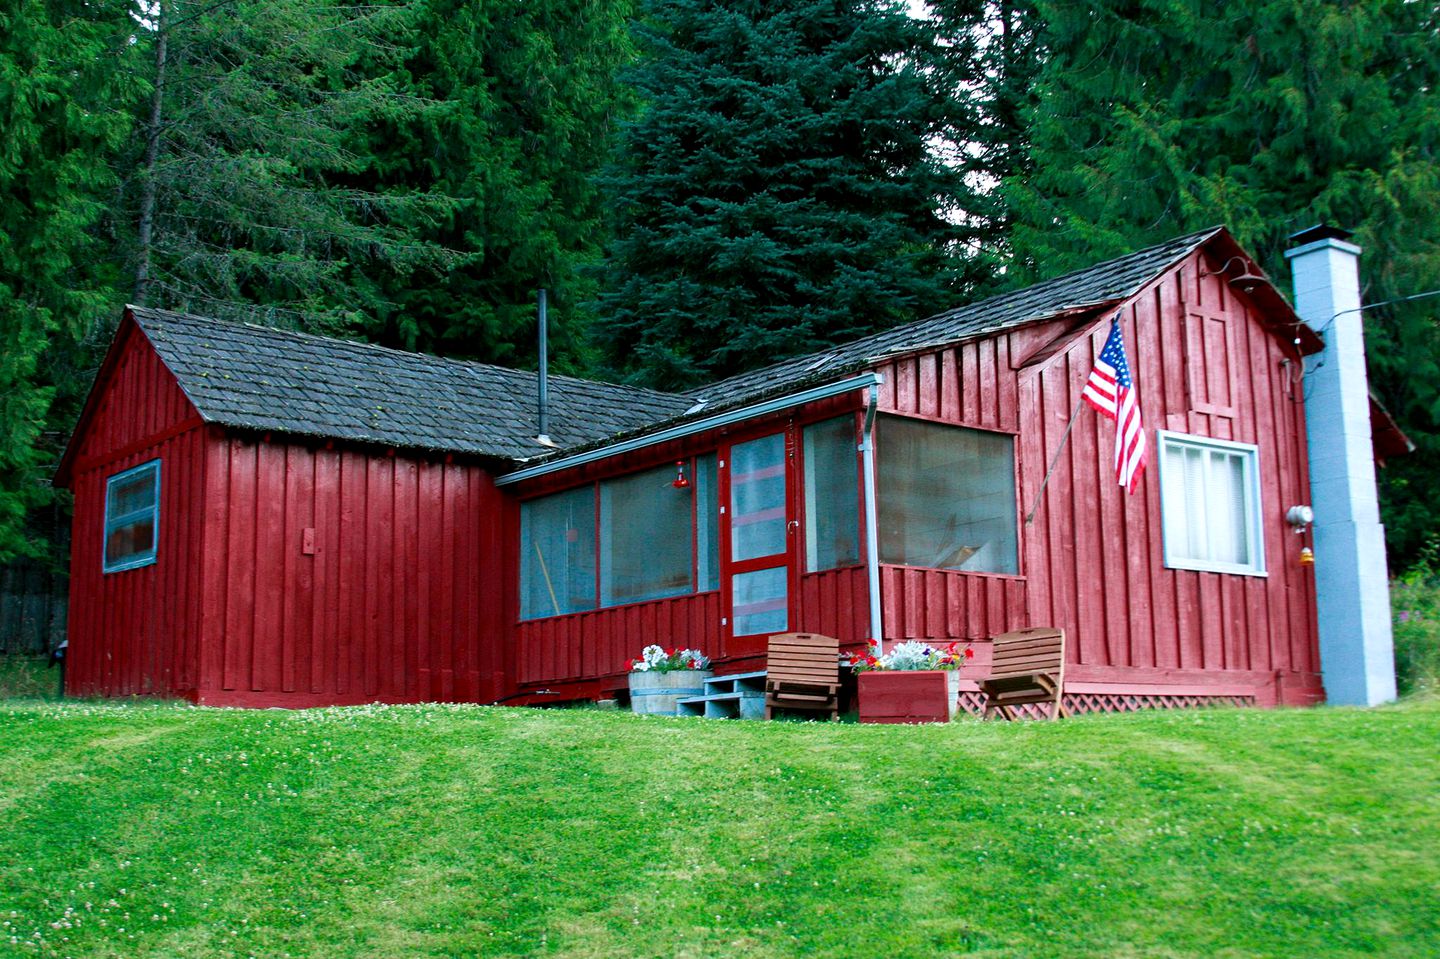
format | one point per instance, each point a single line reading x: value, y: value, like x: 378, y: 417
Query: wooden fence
x: 33, y: 596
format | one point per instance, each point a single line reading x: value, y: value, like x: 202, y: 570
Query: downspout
x: 872, y: 523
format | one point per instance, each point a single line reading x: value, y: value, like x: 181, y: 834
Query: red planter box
x: 908, y: 696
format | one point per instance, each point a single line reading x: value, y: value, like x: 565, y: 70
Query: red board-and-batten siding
x: 1092, y: 561
x: 137, y: 632
x: 287, y: 573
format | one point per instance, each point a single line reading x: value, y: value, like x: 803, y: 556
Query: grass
x: 155, y: 830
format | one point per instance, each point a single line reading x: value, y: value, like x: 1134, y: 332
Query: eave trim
x: 824, y: 391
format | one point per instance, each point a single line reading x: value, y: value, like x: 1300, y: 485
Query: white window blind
x: 1210, y: 501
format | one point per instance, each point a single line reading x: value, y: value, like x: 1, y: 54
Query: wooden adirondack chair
x: 803, y: 672
x: 1028, y: 667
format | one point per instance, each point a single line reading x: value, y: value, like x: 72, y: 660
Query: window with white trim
x: 1210, y: 504
x: 132, y: 518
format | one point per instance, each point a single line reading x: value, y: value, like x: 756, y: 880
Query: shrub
x: 1415, y: 608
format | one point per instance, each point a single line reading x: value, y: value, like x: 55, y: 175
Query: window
x: 832, y: 495
x: 557, y: 554
x: 645, y: 541
x: 624, y: 540
x: 946, y: 497
x: 132, y: 518
x: 1210, y: 504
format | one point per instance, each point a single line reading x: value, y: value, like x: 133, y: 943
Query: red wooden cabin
x: 335, y: 523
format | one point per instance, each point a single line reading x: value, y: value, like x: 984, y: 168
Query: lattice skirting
x: 1077, y: 703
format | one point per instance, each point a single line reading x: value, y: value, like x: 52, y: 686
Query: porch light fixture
x: 1245, y: 282
x: 680, y: 481
x: 1299, y: 517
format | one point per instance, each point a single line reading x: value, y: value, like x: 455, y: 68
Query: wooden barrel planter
x: 655, y: 694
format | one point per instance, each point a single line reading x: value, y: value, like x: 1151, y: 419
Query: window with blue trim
x: 132, y: 517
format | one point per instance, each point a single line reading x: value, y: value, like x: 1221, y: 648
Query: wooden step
x: 745, y: 704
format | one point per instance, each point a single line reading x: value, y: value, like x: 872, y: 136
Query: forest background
x: 703, y: 186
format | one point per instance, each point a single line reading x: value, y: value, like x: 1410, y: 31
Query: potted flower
x: 913, y: 683
x: 661, y: 677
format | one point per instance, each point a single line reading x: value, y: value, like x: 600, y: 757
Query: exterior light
x: 1299, y: 517
x: 1307, y: 557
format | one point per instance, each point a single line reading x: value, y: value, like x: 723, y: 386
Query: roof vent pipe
x: 1357, y: 657
x: 543, y: 380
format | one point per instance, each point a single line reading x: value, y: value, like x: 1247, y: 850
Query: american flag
x: 1111, y: 391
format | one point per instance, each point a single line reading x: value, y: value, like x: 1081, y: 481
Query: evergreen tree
x: 1155, y: 118
x: 66, y: 86
x: 992, y: 55
x: 779, y: 190
x: 525, y: 99
x: 250, y: 163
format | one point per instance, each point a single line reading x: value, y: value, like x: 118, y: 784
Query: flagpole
x: 1063, y: 439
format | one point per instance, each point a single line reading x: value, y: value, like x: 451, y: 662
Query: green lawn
x: 144, y: 830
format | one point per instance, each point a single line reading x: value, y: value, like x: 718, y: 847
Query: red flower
x: 969, y: 653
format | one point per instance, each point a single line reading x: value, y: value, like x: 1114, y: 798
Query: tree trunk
x: 146, y: 223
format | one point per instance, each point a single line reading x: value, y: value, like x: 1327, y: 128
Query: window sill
x: 1018, y: 577
x: 123, y: 565
x: 1229, y: 570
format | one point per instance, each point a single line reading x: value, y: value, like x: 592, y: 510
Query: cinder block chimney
x: 1357, y: 656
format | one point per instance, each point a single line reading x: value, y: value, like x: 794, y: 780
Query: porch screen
x: 832, y: 495
x: 946, y: 496
x: 645, y: 538
x: 707, y: 524
x: 557, y: 554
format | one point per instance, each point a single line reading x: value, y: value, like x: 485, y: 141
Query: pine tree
x: 525, y: 102
x: 779, y: 189
x: 248, y: 174
x: 1156, y: 118
x: 66, y: 85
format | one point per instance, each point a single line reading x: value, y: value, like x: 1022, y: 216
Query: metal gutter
x: 872, y: 524
x: 825, y: 391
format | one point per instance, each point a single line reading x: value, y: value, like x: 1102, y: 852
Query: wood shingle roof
x: 254, y: 377
x: 1093, y: 287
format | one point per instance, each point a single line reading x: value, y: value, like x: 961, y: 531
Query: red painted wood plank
x: 408, y: 562
x: 300, y: 575
x: 270, y: 583
x: 1090, y: 463
x: 928, y: 385
x: 240, y: 566
x: 970, y: 398
x: 326, y: 616
x: 467, y: 589
x: 989, y: 383
x: 949, y: 406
